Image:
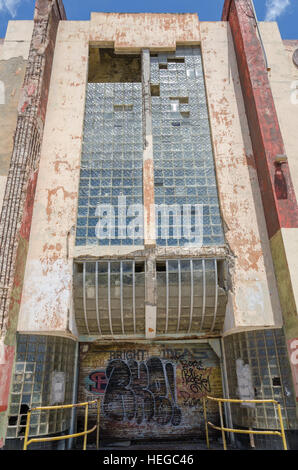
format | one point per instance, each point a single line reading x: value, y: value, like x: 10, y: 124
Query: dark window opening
x: 139, y: 266
x: 23, y: 421
x: 185, y: 114
x: 158, y: 182
x: 176, y: 60
x: 181, y: 99
x: 161, y: 266
x: 12, y: 421
x: 107, y: 67
x: 155, y: 90
x: 276, y: 382
x: 221, y: 273
x: 123, y: 107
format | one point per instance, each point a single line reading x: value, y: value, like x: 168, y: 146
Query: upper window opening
x: 107, y: 67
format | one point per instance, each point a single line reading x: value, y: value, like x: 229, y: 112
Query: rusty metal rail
x: 280, y: 433
x: 68, y: 436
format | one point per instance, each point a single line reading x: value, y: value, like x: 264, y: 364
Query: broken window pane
x: 183, y: 157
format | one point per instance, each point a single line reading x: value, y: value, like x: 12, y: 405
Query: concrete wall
x: 283, y: 79
x: 46, y: 300
x: 13, y: 57
x: 253, y: 299
x: 47, y: 295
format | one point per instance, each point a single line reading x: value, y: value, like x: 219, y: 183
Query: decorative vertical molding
x: 266, y: 137
x: 148, y: 171
x: 148, y: 200
x: 16, y: 215
x: 277, y: 191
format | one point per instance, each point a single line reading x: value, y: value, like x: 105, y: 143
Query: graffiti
x: 97, y: 382
x: 196, y: 377
x: 190, y: 401
x: 144, y: 391
x: 178, y: 354
x: 136, y: 354
x: 293, y: 353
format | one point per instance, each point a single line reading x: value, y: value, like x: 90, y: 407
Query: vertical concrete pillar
x: 150, y: 296
x: 278, y: 196
x: 148, y: 171
x: 16, y: 215
x: 148, y: 198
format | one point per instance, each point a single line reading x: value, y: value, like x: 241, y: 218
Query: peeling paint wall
x: 264, y: 88
x: 253, y: 299
x: 20, y: 186
x: 135, y: 31
x: 51, y: 249
x: 13, y: 58
x: 283, y: 79
x: 46, y: 300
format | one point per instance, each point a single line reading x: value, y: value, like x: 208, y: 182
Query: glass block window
x: 189, y: 297
x: 265, y: 352
x: 111, y: 165
x: 183, y: 157
x: 109, y: 297
x: 37, y: 358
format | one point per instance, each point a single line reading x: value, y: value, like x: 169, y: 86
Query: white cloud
x: 275, y: 8
x: 10, y: 5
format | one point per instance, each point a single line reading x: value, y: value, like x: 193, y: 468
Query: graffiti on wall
x: 196, y: 377
x: 153, y: 389
x: 140, y: 390
x: 293, y: 353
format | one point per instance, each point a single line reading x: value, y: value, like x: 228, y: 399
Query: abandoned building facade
x: 149, y: 223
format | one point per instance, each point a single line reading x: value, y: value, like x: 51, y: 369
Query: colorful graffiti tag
x: 144, y: 391
x: 155, y: 390
x: 96, y: 382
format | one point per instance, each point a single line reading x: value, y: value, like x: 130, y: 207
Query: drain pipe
x: 74, y: 397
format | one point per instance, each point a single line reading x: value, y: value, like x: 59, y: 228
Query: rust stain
x: 48, y: 247
x: 52, y: 193
x: 57, y: 164
x: 251, y: 161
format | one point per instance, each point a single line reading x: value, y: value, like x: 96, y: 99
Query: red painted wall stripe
x: 278, y: 196
x: 5, y: 375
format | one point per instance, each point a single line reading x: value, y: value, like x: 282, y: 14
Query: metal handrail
x: 280, y: 433
x: 68, y: 436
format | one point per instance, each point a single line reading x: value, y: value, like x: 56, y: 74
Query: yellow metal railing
x: 68, y: 436
x: 280, y: 433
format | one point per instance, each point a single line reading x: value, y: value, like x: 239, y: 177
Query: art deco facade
x: 149, y: 224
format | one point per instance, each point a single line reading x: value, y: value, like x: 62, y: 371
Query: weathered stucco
x: 270, y: 101
x: 46, y: 300
x: 253, y: 300
x: 20, y: 186
x: 51, y: 249
x: 13, y: 58
x: 135, y: 31
x: 283, y: 79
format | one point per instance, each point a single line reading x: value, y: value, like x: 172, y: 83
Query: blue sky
x: 285, y: 12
